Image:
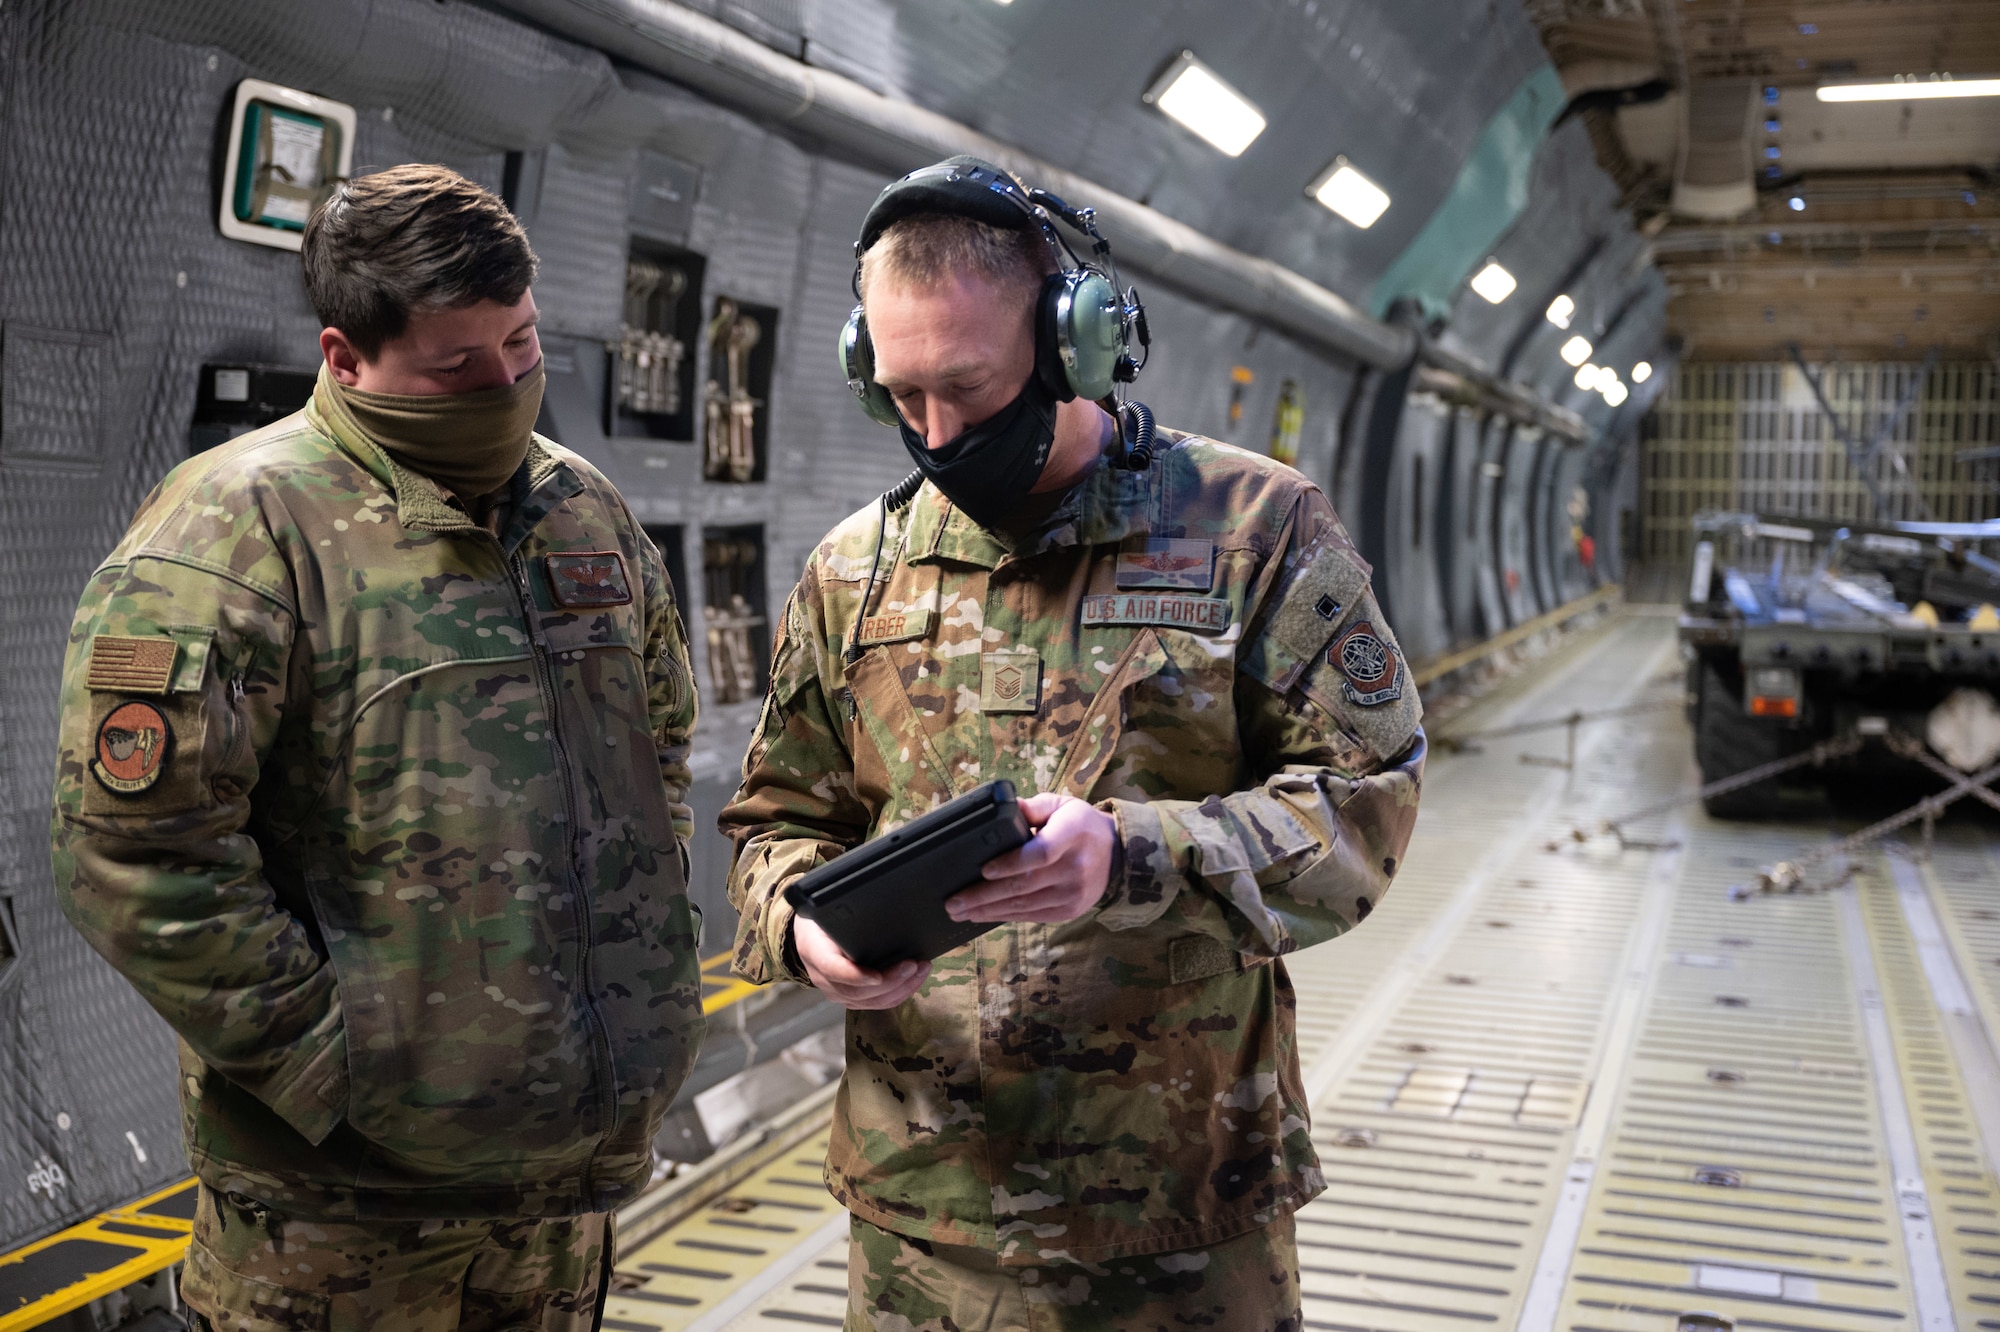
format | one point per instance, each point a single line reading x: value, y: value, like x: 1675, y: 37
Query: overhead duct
x: 1714, y: 178
x: 896, y: 137
x: 1460, y: 383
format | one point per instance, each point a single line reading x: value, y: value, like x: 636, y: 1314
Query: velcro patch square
x: 1010, y: 681
x: 589, y: 578
x: 1168, y: 562
x: 130, y: 665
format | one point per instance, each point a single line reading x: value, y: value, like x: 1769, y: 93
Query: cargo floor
x: 1557, y: 1084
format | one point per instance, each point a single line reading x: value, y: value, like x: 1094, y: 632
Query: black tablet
x: 884, y: 901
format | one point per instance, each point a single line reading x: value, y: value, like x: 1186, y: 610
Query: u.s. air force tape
x: 1205, y: 615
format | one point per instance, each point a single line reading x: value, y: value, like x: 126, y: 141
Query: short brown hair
x: 407, y: 239
x: 923, y: 250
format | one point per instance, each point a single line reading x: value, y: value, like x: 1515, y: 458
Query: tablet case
x: 883, y: 902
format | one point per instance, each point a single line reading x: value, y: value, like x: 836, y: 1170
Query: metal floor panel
x: 1557, y: 1085
x: 1447, y: 1139
x: 701, y: 1273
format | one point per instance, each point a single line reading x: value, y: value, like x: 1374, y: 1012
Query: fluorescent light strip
x: 1349, y: 193
x: 1191, y: 93
x: 1909, y: 91
x: 1493, y: 282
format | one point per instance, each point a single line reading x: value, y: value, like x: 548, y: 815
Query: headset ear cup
x: 1090, y: 332
x: 1048, y: 338
x: 857, y: 367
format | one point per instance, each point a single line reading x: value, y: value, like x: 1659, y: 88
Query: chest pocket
x: 575, y: 631
x: 1110, y: 715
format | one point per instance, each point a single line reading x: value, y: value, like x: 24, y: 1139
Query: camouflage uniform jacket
x: 385, y: 816
x: 1168, y: 645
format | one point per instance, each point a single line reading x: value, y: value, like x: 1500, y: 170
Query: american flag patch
x: 123, y: 665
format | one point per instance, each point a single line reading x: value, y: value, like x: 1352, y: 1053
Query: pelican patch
x: 589, y: 579
x: 1374, y: 675
x: 1168, y: 562
x: 132, y: 745
x: 1010, y: 681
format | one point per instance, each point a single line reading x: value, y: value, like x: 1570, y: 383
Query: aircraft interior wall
x: 115, y: 291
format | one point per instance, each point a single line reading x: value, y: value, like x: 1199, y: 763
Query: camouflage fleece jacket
x: 385, y: 816
x: 1194, y: 648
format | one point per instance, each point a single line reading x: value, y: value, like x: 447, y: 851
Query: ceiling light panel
x: 1559, y: 311
x: 1614, y: 392
x: 1192, y: 94
x: 1909, y: 90
x: 1577, y: 350
x: 1493, y: 282
x: 1642, y: 372
x: 1586, y: 376
x: 1349, y: 193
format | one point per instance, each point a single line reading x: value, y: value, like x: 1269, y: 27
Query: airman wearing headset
x: 1170, y: 647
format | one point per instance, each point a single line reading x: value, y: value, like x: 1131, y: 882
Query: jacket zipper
x: 239, y: 729
x: 545, y: 679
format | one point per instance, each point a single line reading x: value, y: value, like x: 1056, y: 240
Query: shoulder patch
x: 120, y: 664
x: 589, y: 579
x: 132, y: 746
x: 1363, y: 683
x: 1373, y: 668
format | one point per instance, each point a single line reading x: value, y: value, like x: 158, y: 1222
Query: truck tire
x: 1727, y: 742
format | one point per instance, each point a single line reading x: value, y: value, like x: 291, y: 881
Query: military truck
x: 1797, y: 631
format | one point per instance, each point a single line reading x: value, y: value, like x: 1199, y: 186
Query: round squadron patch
x: 132, y: 744
x: 1373, y: 674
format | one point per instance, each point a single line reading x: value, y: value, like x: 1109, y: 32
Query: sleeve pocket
x: 1363, y: 681
x: 1322, y: 590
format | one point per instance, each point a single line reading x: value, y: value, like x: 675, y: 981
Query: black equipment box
x: 884, y: 901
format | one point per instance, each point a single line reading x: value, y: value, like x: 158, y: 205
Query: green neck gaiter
x: 470, y: 443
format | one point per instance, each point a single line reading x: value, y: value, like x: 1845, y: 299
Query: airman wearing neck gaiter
x: 373, y: 783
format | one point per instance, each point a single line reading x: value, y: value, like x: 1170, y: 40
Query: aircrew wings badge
x: 1168, y: 562
x: 1374, y: 675
x: 132, y: 744
x: 589, y: 579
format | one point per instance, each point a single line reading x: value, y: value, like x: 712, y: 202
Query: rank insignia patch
x: 1168, y: 562
x: 589, y: 579
x: 132, y: 746
x: 1374, y: 675
x: 123, y: 665
x: 1010, y: 681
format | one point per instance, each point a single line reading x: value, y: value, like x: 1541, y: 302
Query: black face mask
x: 989, y: 469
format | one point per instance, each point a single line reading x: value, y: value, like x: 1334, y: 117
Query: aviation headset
x: 1084, y: 327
